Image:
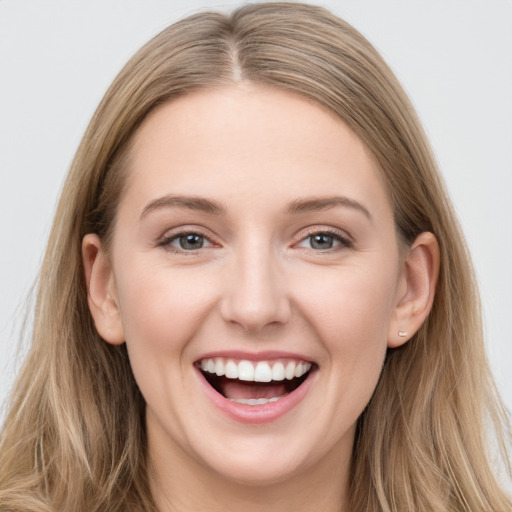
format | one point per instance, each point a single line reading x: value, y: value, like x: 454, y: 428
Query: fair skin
x: 223, y: 251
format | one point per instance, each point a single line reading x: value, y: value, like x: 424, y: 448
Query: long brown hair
x: 74, y: 438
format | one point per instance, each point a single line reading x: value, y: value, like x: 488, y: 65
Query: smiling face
x: 254, y: 240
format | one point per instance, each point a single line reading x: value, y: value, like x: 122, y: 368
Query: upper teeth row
x: 262, y: 371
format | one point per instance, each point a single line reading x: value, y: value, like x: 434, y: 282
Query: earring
x: 402, y: 334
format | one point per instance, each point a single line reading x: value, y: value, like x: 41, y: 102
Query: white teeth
x: 219, y: 366
x: 231, y: 370
x: 262, y: 371
x: 278, y: 371
x: 246, y: 371
x: 255, y: 401
x: 289, y: 372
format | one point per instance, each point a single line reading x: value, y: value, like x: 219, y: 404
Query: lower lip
x: 257, y: 414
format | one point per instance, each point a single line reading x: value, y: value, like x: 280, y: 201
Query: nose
x: 255, y: 294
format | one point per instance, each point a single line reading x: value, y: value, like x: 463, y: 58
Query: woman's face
x: 254, y: 238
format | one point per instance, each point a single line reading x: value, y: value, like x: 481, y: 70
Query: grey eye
x: 324, y: 241
x: 321, y: 241
x: 189, y: 242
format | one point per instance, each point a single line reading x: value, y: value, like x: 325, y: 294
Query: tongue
x: 232, y: 388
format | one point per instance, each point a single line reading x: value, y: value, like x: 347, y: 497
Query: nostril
x: 255, y: 294
x: 252, y: 317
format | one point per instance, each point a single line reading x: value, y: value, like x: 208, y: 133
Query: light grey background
x: 453, y: 57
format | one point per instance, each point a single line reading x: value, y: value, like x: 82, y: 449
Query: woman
x: 255, y: 293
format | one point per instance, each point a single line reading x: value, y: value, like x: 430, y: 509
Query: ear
x: 101, y: 290
x: 416, y: 289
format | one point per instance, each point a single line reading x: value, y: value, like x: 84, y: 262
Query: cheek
x: 350, y: 314
x: 161, y: 311
x: 351, y: 307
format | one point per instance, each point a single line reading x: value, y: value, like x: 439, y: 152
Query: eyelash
x: 344, y: 242
x: 166, y: 242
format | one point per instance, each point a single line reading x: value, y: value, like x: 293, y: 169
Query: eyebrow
x: 296, y: 206
x: 189, y: 202
x: 325, y: 203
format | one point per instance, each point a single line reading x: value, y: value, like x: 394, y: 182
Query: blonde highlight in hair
x: 75, y: 439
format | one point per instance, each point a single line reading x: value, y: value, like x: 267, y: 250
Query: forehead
x: 245, y: 141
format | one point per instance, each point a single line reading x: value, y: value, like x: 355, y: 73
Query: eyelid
x: 174, y: 233
x: 341, y: 236
x: 174, y: 238
x: 346, y: 241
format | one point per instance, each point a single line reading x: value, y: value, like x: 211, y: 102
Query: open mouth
x: 254, y: 382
